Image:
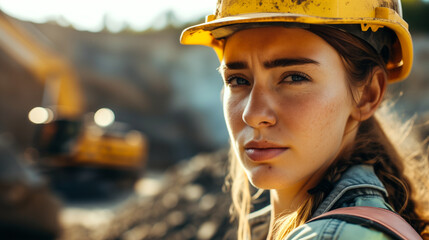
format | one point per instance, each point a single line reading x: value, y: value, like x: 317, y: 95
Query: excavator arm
x: 62, y: 91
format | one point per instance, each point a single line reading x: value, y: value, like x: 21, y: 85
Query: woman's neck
x: 285, y: 202
x: 288, y: 200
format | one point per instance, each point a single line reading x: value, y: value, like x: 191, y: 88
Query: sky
x: 90, y: 15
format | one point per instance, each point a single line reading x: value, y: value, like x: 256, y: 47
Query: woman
x: 303, y: 80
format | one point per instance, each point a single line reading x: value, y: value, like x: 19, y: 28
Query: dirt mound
x: 185, y: 202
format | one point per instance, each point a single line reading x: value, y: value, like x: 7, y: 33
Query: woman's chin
x: 266, y: 177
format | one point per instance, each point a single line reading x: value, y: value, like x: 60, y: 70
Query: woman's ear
x: 371, y: 95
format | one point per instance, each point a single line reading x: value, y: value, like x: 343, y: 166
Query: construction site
x: 121, y: 135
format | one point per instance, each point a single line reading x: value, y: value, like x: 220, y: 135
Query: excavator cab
x: 57, y: 138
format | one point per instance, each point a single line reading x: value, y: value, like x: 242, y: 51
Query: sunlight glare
x: 40, y: 115
x: 104, y: 117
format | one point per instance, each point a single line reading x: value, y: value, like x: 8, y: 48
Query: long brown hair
x: 371, y: 146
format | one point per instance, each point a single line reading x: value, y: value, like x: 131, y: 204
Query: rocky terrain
x: 185, y: 202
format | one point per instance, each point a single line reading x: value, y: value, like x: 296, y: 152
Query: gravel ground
x: 186, y: 202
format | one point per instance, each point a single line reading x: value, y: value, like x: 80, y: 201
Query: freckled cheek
x: 327, y: 122
x: 313, y: 118
x: 233, y: 112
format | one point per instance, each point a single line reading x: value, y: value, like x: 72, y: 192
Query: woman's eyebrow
x: 233, y: 66
x: 284, y: 62
x: 281, y: 62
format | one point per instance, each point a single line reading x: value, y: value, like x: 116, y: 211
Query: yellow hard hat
x: 368, y: 14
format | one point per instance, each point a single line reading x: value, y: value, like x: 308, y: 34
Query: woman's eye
x: 237, y: 81
x: 296, y: 78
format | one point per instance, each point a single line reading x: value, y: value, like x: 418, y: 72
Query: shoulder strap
x: 378, y: 218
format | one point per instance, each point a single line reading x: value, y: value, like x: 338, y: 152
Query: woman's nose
x: 258, y: 112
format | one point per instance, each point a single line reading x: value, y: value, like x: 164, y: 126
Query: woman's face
x: 287, y: 104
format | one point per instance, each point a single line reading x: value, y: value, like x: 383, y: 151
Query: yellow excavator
x: 65, y: 137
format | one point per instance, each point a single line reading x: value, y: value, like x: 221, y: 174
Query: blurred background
x: 110, y: 129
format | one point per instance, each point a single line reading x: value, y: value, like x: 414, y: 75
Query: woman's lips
x: 261, y: 154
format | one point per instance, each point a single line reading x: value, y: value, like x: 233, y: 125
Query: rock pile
x: 192, y: 205
x: 188, y: 203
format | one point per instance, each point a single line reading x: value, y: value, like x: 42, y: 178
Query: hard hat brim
x: 201, y: 34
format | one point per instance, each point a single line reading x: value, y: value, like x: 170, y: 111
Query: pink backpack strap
x: 378, y: 218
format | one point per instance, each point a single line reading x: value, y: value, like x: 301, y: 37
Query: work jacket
x: 359, y: 186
